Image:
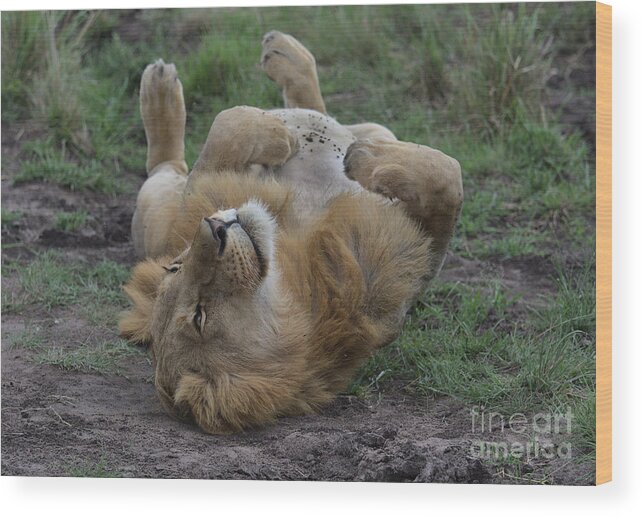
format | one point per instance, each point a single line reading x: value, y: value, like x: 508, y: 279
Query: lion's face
x: 209, y: 309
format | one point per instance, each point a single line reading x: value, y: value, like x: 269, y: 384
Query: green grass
x: 51, y: 281
x: 470, y: 344
x: 517, y: 241
x: 104, y: 357
x: 71, y: 221
x: 30, y: 339
x: 9, y: 217
x: 22, y: 51
x: 92, y: 470
x: 47, y: 81
x: 506, y: 68
x: 100, y: 358
x: 44, y: 162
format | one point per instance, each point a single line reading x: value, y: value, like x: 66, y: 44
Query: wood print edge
x: 603, y: 243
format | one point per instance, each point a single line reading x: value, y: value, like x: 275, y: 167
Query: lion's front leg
x: 425, y: 182
x: 291, y: 65
x: 245, y: 136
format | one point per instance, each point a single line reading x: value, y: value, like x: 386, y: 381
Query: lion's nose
x: 219, y: 230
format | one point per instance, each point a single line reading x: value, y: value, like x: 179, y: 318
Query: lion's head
x: 207, y: 313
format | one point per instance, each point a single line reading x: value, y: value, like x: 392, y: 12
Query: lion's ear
x: 142, y: 288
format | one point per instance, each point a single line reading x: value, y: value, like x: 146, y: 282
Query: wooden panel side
x: 603, y: 243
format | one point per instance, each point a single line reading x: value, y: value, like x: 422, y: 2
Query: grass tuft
x: 46, y: 163
x: 23, y: 49
x: 30, y: 339
x: 55, y: 91
x: 93, y: 470
x: 103, y: 358
x: 9, y: 217
x: 51, y: 281
x: 71, y: 221
x: 507, y: 63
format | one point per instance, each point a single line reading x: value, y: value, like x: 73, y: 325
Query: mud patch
x: 108, y: 217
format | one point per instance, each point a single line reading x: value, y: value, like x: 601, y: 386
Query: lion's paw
x: 393, y: 181
x: 424, y: 178
x: 162, y: 94
x: 285, y: 60
x: 163, y: 113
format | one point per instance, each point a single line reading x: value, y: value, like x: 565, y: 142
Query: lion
x: 289, y: 254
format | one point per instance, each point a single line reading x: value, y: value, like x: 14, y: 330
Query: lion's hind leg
x: 163, y: 114
x: 291, y: 65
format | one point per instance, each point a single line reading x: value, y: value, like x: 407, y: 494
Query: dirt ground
x: 61, y: 423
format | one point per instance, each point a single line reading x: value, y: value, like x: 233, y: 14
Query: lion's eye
x: 199, y: 317
x: 172, y: 268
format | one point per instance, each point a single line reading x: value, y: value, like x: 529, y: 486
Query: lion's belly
x: 316, y: 170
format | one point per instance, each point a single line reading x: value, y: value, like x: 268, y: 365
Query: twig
x: 61, y: 418
x: 27, y: 410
